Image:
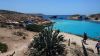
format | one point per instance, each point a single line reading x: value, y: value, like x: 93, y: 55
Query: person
x: 85, y: 37
x: 98, y: 47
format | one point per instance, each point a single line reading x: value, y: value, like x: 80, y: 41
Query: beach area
x: 78, y: 40
x: 20, y: 45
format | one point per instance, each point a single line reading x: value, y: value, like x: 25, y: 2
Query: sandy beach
x: 78, y: 39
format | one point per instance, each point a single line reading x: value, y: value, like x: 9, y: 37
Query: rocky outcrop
x: 77, y: 17
x: 94, y: 17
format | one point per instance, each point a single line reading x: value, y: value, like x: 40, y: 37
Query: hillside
x: 17, y: 16
x: 9, y: 12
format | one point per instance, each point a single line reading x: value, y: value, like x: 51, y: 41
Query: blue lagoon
x: 78, y: 27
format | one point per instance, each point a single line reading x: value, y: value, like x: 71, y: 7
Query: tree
x: 47, y: 43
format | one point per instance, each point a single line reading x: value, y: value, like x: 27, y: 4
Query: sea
x: 77, y: 27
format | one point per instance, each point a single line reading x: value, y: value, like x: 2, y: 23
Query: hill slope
x: 17, y: 16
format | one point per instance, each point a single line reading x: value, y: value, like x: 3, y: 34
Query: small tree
x: 47, y: 43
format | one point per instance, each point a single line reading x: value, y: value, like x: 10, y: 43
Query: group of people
x: 97, y: 46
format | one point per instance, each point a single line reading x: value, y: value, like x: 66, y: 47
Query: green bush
x: 47, y: 43
x: 38, y: 28
x: 3, y: 47
x: 34, y: 27
x: 3, y: 25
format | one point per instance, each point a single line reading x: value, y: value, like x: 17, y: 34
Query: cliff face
x: 84, y: 17
x: 17, y: 16
x: 77, y: 17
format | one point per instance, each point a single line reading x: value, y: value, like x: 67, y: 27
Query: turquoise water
x: 79, y: 27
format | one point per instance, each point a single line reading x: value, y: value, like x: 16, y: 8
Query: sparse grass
x: 20, y: 33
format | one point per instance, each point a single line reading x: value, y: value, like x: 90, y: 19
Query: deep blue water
x: 78, y: 27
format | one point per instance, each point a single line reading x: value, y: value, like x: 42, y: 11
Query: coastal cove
x: 78, y: 27
x: 50, y: 28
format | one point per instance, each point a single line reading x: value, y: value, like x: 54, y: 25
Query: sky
x: 52, y: 7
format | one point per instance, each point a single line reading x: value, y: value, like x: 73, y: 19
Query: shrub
x: 38, y: 28
x: 47, y: 43
x: 34, y: 27
x: 3, y: 25
x: 3, y: 47
x: 24, y: 37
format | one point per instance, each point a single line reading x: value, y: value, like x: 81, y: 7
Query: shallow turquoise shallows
x: 79, y: 27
